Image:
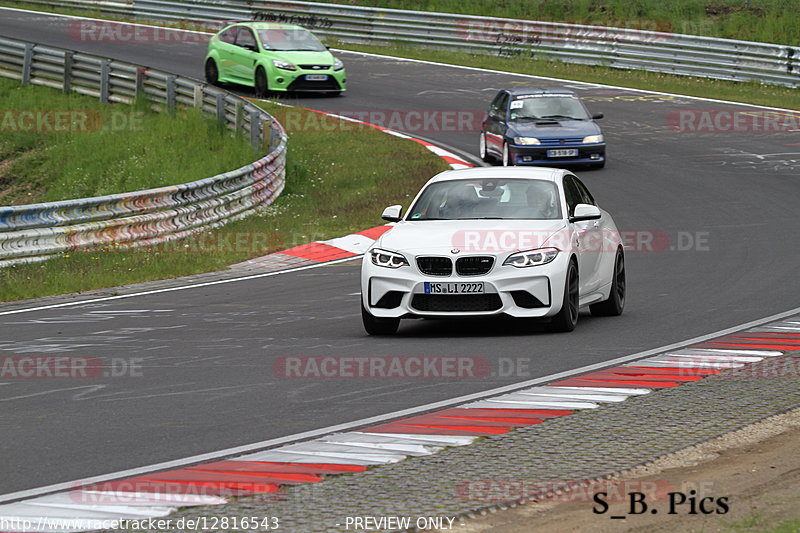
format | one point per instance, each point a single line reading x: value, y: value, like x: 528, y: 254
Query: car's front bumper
x: 538, y: 154
x: 295, y: 81
x: 519, y: 292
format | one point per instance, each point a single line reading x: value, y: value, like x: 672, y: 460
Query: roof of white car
x: 546, y: 174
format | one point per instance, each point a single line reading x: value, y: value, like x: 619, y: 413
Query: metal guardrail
x: 654, y: 51
x: 36, y: 231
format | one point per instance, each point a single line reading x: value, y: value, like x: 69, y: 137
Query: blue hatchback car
x: 538, y: 126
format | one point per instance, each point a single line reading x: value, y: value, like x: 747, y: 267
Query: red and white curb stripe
x: 452, y: 159
x: 349, y: 246
x: 358, y: 243
x: 158, y: 494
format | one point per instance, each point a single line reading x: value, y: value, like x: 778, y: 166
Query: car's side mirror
x: 327, y: 46
x: 585, y: 212
x: 250, y: 46
x: 596, y: 116
x: 393, y: 213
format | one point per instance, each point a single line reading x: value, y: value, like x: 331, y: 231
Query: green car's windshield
x: 488, y: 199
x: 286, y: 40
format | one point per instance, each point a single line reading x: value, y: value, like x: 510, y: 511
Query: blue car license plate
x: 562, y: 152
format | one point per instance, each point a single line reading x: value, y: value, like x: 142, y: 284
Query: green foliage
x: 57, y: 146
x: 339, y: 177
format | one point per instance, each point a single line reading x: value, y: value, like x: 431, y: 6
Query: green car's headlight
x: 526, y: 140
x: 338, y: 65
x: 285, y: 65
x: 593, y: 139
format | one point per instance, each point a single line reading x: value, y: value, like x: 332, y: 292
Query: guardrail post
x: 140, y: 74
x: 27, y: 64
x: 267, y: 132
x: 198, y: 95
x: 171, y: 94
x: 238, y: 116
x: 105, y: 85
x: 221, y: 109
x: 68, y: 61
x: 255, y: 129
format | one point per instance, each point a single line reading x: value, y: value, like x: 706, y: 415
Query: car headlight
x: 593, y: 139
x: 529, y: 258
x: 338, y: 65
x: 526, y: 140
x: 385, y: 258
x: 285, y: 65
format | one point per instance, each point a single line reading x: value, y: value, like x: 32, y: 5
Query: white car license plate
x: 316, y: 77
x: 453, y: 288
x: 563, y: 152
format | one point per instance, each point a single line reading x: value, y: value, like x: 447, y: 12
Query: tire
x: 378, y: 326
x: 507, y: 156
x: 212, y: 72
x: 261, y: 83
x: 567, y: 317
x: 482, y: 151
x: 615, y: 303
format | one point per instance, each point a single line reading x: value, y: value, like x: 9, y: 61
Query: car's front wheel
x: 211, y: 71
x: 262, y: 86
x: 615, y: 303
x: 482, y: 151
x: 378, y: 326
x: 507, y: 162
x: 567, y: 317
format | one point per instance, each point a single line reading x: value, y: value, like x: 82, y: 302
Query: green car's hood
x: 305, y: 58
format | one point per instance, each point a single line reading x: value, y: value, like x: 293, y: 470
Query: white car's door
x: 584, y: 236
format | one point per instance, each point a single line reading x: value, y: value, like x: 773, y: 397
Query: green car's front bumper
x: 308, y: 80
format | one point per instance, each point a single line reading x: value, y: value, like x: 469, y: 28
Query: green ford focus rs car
x: 273, y: 57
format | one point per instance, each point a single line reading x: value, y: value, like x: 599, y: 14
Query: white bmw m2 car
x: 522, y: 242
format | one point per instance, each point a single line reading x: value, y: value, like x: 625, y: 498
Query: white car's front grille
x: 474, y: 266
x: 435, y: 266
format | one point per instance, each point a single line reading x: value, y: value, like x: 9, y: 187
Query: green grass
x: 102, y: 149
x: 324, y: 161
x: 772, y: 21
x: 576, y: 11
x: 339, y: 178
x: 754, y: 93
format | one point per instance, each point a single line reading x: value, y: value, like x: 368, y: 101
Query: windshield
x: 502, y: 199
x: 547, y: 107
x: 290, y: 39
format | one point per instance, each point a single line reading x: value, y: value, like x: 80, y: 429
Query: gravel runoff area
x: 565, y: 453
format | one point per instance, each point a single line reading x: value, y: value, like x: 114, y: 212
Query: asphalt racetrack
x: 198, y: 367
